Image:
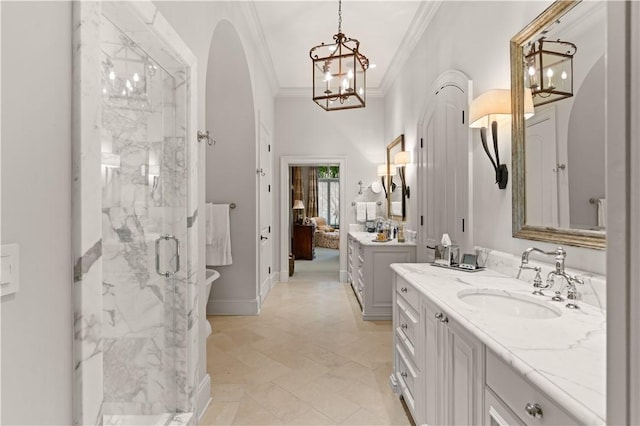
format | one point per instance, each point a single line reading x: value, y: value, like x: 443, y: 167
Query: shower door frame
x: 87, y: 211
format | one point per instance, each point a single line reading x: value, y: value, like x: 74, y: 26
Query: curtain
x: 298, y: 190
x: 312, y: 192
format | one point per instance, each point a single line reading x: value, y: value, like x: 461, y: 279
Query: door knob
x: 263, y: 238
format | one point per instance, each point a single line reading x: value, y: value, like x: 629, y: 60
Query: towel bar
x: 353, y: 203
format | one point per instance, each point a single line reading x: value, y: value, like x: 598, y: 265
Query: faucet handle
x: 577, y: 279
x: 537, y: 282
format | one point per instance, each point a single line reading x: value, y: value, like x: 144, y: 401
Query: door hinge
x: 421, y: 143
x: 462, y: 116
x: 462, y: 224
x: 421, y: 220
x: 269, y: 270
x: 269, y: 147
x: 269, y: 188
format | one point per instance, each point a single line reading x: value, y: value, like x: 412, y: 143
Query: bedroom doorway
x: 312, y: 194
x: 315, y: 219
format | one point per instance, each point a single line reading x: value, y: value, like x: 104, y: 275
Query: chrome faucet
x: 560, y: 255
x: 537, y: 281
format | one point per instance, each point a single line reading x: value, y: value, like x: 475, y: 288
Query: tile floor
x: 307, y: 359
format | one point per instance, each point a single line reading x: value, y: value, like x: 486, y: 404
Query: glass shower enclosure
x: 134, y: 278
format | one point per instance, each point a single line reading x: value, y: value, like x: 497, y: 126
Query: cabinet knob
x: 439, y: 316
x: 403, y: 326
x: 403, y: 289
x: 403, y: 374
x: 534, y: 410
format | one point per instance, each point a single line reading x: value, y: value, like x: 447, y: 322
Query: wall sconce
x: 488, y: 107
x: 382, y: 172
x: 549, y: 70
x: 401, y: 159
x: 298, y: 206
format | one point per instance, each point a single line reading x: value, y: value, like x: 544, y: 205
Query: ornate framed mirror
x: 396, y: 202
x: 558, y: 155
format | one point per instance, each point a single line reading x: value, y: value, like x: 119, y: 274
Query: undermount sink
x: 504, y: 303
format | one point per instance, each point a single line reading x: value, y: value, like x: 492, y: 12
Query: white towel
x: 219, y: 250
x: 208, y: 212
x: 602, y: 212
x: 396, y: 208
x: 372, y: 208
x: 361, y: 212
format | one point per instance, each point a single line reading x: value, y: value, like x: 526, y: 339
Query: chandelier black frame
x: 339, y: 72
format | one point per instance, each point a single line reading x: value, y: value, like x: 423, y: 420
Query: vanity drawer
x: 407, y: 376
x: 408, y: 292
x: 407, y: 325
x: 517, y: 393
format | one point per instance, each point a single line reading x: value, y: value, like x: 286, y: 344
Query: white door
x: 444, y: 162
x: 542, y: 172
x: 265, y: 202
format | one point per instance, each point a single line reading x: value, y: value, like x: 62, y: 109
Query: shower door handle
x: 167, y: 274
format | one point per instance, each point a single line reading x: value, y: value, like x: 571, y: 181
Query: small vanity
x: 369, y: 273
x: 479, y: 348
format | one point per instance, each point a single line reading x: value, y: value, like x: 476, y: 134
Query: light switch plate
x: 9, y: 275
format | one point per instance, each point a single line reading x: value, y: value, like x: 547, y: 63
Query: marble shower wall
x: 134, y: 180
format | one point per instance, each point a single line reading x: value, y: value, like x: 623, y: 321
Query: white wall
x: 305, y: 129
x: 37, y: 322
x: 195, y: 22
x: 231, y: 175
x: 472, y: 37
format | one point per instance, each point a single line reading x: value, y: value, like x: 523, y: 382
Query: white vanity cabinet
x: 453, y: 367
x: 448, y: 376
x: 370, y: 274
x: 514, y: 401
x: 438, y: 365
x: 447, y: 371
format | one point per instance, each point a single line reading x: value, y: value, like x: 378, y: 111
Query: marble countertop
x: 565, y: 356
x: 366, y: 238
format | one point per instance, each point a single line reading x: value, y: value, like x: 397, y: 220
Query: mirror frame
x: 397, y: 141
x: 572, y: 237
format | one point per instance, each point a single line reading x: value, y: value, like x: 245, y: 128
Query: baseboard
x: 344, y: 277
x: 204, y: 396
x: 265, y: 288
x: 233, y: 307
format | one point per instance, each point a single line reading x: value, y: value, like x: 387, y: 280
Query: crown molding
x: 418, y: 26
x: 257, y: 34
x: 306, y: 92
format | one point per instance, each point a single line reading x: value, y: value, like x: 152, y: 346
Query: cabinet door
x: 432, y: 395
x: 496, y: 413
x: 463, y: 366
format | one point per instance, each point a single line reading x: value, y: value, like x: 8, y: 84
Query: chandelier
x: 339, y: 72
x: 549, y: 70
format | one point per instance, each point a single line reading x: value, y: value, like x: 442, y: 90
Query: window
x: 329, y: 194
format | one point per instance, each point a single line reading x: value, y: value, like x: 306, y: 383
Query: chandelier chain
x: 339, y: 16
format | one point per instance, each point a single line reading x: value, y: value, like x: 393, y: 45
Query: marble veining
x: 84, y: 263
x: 565, y: 356
x: 191, y: 220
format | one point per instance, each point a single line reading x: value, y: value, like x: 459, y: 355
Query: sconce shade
x: 402, y: 158
x: 382, y: 170
x: 496, y: 104
x: 298, y: 205
x: 549, y: 70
